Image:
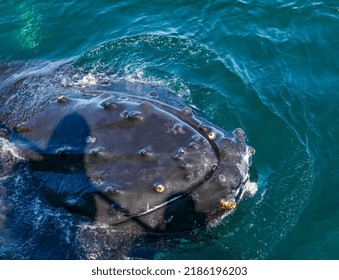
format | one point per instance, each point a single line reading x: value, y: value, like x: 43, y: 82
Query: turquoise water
x: 270, y: 67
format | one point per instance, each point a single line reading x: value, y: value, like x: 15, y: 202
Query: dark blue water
x: 270, y: 67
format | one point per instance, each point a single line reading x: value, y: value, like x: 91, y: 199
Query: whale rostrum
x: 121, y: 155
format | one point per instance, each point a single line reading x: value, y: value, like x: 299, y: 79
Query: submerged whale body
x: 129, y: 156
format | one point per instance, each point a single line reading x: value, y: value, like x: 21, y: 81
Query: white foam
x: 136, y: 76
x: 250, y: 189
x: 87, y: 80
x: 90, y: 139
x: 8, y: 149
x: 244, y: 164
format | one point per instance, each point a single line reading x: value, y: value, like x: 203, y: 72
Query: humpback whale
x: 132, y: 156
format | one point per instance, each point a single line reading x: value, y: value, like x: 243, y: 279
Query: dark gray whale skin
x: 127, y: 155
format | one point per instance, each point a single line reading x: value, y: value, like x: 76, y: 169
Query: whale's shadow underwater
x: 107, y: 168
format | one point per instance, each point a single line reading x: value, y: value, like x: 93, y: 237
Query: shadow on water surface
x: 62, y: 182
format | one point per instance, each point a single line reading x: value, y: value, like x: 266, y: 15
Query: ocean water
x: 270, y: 67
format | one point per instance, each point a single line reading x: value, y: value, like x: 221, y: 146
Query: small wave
x: 153, y: 59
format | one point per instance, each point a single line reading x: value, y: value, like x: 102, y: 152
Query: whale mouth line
x: 170, y: 201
